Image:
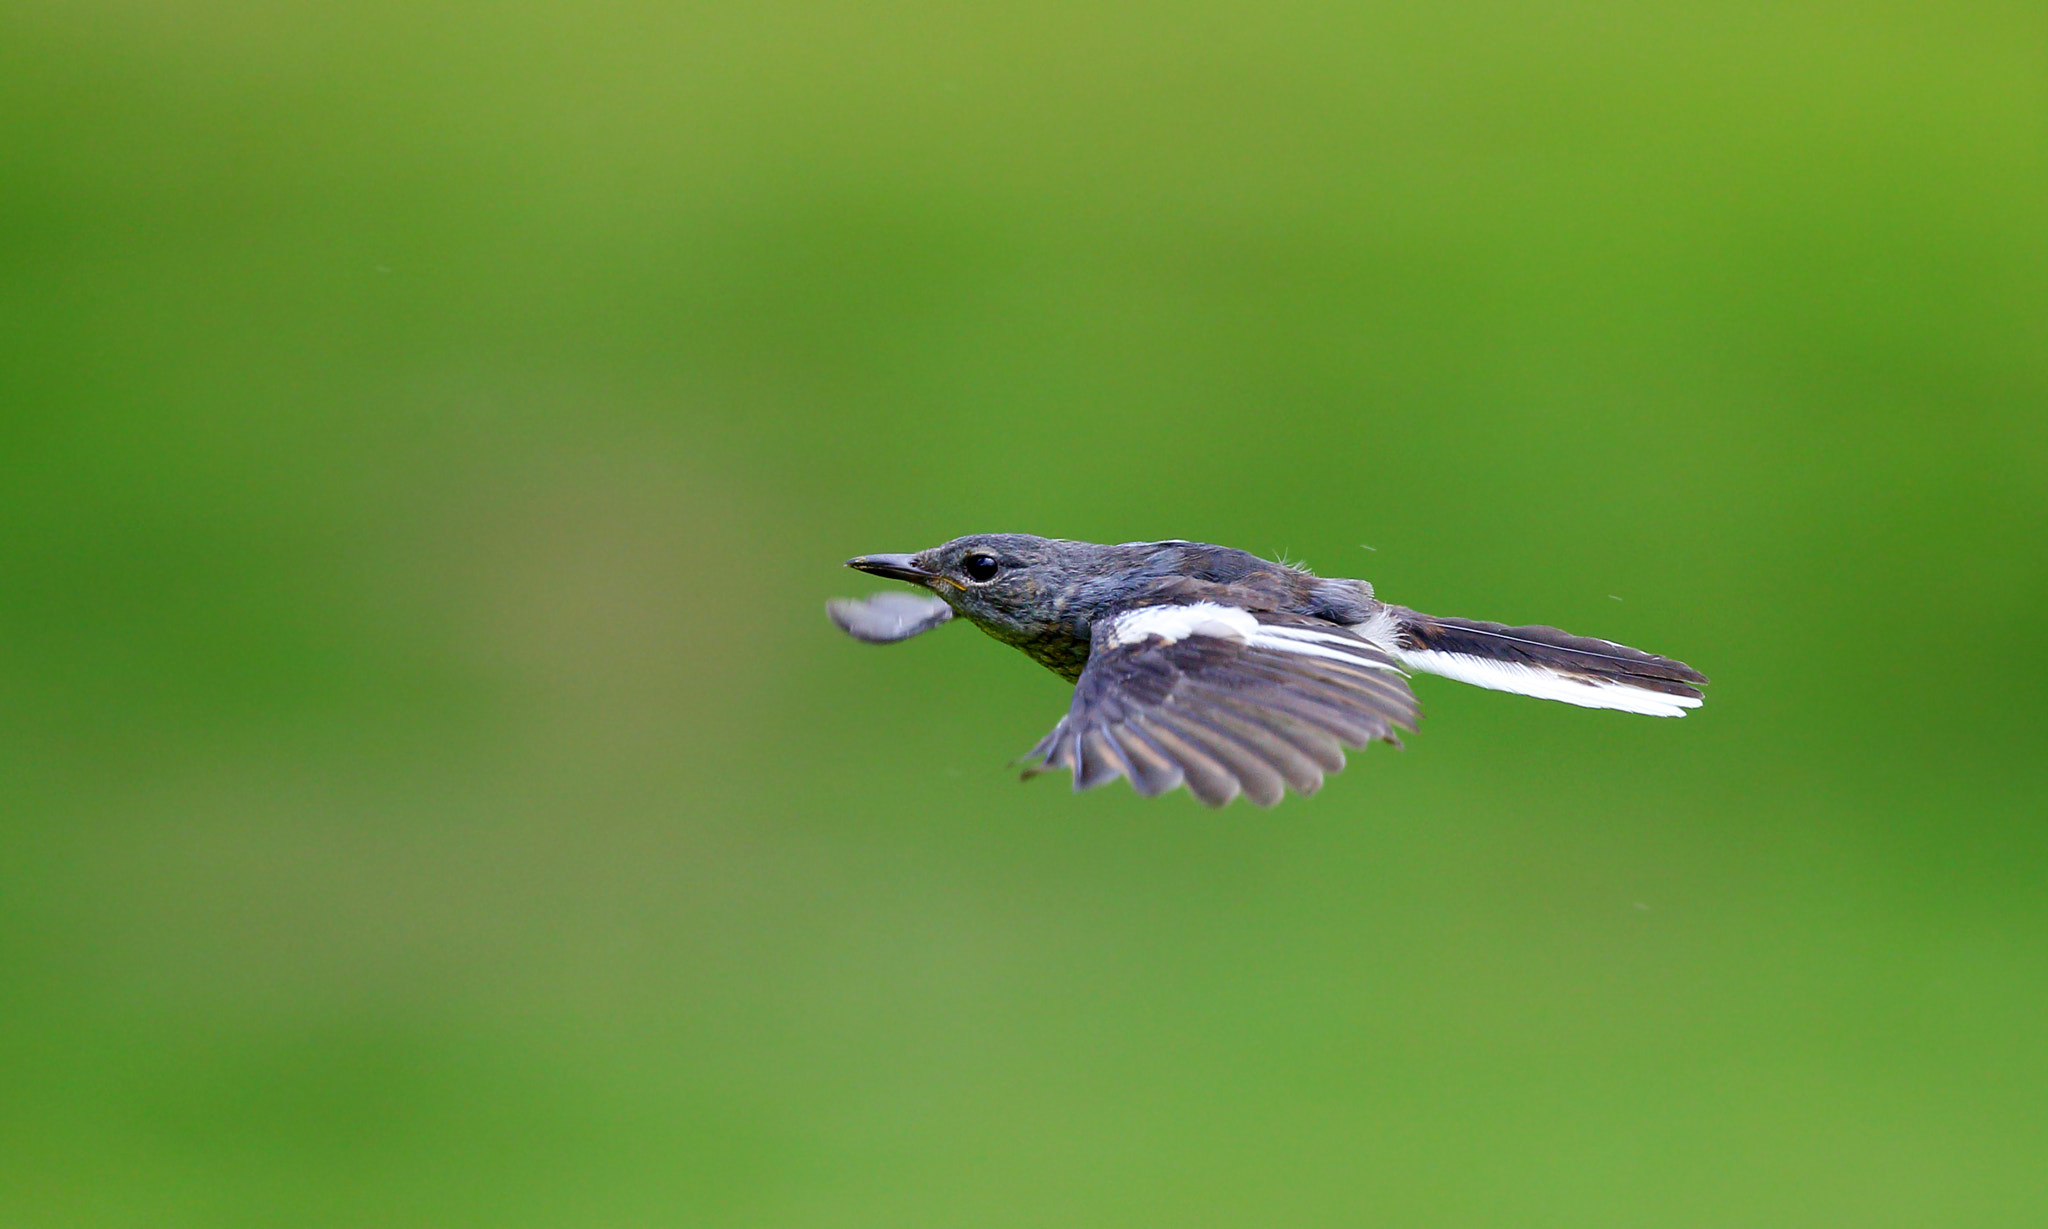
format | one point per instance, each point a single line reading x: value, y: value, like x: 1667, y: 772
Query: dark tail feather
x: 1546, y: 662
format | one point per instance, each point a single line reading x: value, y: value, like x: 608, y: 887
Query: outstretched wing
x: 1225, y: 700
x: 888, y: 616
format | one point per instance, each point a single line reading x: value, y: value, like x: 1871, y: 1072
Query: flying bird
x: 1211, y: 667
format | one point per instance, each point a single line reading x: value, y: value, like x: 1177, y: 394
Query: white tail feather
x: 1546, y: 684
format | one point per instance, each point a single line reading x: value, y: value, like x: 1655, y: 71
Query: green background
x: 431, y: 794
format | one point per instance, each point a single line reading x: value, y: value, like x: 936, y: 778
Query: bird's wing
x: 1225, y: 700
x: 889, y: 616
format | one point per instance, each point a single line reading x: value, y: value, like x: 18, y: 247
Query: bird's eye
x: 981, y: 568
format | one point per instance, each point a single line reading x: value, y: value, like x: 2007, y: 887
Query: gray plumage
x: 889, y: 616
x: 1212, y: 667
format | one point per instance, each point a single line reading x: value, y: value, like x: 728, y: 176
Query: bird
x: 1215, y: 668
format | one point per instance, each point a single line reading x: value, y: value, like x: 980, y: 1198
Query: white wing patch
x: 1544, y: 684
x: 1311, y: 642
x: 1174, y: 624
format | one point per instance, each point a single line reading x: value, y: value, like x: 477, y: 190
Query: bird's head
x: 1015, y: 586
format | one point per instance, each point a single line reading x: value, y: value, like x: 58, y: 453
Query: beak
x: 895, y: 567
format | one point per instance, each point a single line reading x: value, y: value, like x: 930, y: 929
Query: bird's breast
x: 1064, y: 655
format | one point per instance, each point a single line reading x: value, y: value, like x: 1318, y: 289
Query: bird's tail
x: 1548, y: 663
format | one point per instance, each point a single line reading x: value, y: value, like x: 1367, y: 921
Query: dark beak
x: 895, y: 567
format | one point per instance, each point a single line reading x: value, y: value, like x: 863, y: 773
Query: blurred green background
x: 431, y: 794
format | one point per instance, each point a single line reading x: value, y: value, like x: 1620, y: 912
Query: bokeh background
x: 431, y: 795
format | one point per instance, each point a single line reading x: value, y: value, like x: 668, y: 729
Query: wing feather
x: 1097, y: 761
x: 1225, y: 701
x: 1259, y: 780
x: 1280, y: 766
x: 1151, y: 770
x: 889, y: 616
x: 1275, y: 745
x: 1208, y: 780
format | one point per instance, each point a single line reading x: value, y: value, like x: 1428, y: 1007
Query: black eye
x: 982, y: 568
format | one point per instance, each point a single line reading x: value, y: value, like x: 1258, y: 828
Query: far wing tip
x: 884, y: 618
